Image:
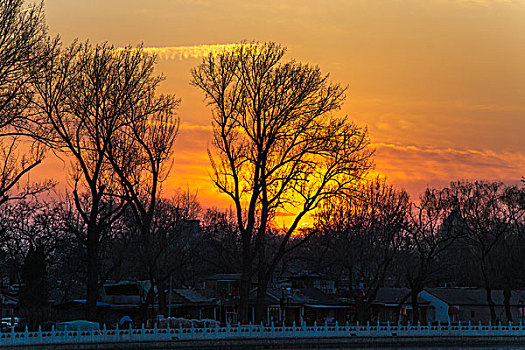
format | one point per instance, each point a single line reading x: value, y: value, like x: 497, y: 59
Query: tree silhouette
x: 277, y: 147
x: 365, y: 235
x: 22, y: 32
x: 98, y: 106
x: 433, y: 226
x: 487, y: 216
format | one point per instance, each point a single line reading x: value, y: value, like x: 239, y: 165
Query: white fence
x: 256, y: 332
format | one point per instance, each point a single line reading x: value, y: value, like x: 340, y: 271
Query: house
x: 312, y: 305
x: 8, y: 305
x: 125, y: 292
x: 125, y: 299
x: 226, y: 285
x: 115, y: 301
x: 386, y: 307
x: 309, y: 305
x: 192, y: 304
x: 309, y: 280
x: 470, y: 304
x: 296, y: 299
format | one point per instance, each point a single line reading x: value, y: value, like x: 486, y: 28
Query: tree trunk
x: 262, y: 286
x: 244, y: 293
x: 163, y: 307
x: 92, y: 272
x: 415, y: 306
x: 506, y: 301
x: 491, y: 304
x: 362, y: 312
x: 488, y: 289
x: 260, y: 306
x: 144, y: 308
x: 400, y: 306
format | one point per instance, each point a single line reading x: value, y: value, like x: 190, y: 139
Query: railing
x: 257, y: 332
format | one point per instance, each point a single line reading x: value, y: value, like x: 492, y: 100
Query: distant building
x: 388, y: 306
x: 309, y: 305
x: 192, y: 304
x: 309, y: 280
x: 226, y: 285
x: 470, y: 304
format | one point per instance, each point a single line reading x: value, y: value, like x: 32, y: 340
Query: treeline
x: 278, y: 148
x: 466, y: 234
x: 43, y: 252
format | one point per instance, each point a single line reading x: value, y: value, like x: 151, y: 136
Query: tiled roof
x: 392, y: 295
x: 192, y: 296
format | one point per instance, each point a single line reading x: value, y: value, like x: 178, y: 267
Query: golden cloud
x: 185, y: 52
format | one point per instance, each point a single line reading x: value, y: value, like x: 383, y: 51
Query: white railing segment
x: 257, y: 332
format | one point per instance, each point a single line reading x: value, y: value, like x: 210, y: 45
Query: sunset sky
x: 439, y: 83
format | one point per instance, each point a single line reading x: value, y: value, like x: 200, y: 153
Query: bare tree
x: 277, y: 147
x: 507, y: 258
x: 223, y: 241
x: 141, y: 157
x: 487, y: 217
x: 27, y: 224
x: 30, y: 236
x: 22, y: 32
x: 433, y: 226
x: 92, y: 97
x: 365, y: 233
x: 171, y: 251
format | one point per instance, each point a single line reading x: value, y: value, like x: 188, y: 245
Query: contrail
x: 184, y: 52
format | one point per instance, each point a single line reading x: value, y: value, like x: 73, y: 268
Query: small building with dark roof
x: 470, y: 304
x: 308, y: 305
x: 192, y: 304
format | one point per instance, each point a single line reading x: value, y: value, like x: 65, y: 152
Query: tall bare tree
x: 92, y: 97
x: 277, y: 147
x: 141, y: 157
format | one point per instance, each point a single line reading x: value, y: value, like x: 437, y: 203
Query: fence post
x: 12, y: 335
x: 104, y: 333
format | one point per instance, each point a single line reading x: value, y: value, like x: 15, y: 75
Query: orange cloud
x: 184, y: 52
x: 415, y: 167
